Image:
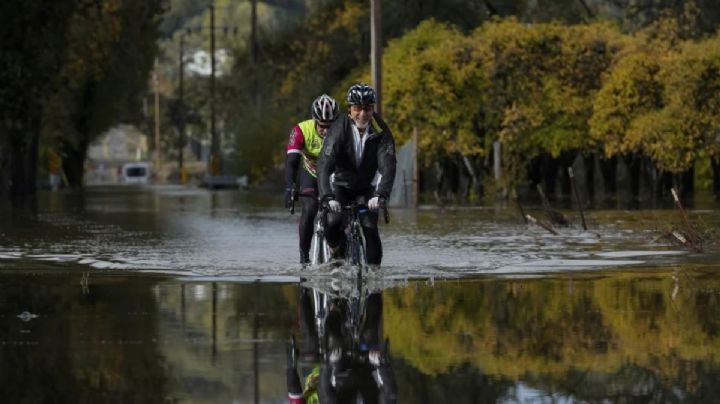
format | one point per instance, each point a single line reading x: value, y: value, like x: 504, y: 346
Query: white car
x: 135, y: 173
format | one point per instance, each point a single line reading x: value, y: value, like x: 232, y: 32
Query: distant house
x: 106, y: 155
x: 199, y: 63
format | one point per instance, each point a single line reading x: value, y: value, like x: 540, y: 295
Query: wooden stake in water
x: 541, y: 224
x: 691, y: 232
x: 577, y: 197
x: 554, y: 216
x: 522, y: 211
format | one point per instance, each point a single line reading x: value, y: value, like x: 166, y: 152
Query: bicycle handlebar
x: 324, y: 201
x: 383, y: 207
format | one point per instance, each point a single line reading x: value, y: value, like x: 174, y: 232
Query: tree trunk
x: 608, y: 170
x: 663, y: 183
x: 474, y: 185
x: 684, y: 183
x: 73, y: 164
x: 23, y: 154
x: 4, y: 166
x: 589, y: 163
x: 566, y: 160
x: 439, y: 181
x: 23, y: 166
x: 549, y: 173
x: 715, y: 163
x: 453, y: 171
x: 535, y: 173
x: 633, y: 164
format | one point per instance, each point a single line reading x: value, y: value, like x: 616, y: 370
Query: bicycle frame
x: 319, y: 249
x: 356, y: 245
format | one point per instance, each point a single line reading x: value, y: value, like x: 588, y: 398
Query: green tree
x: 33, y: 43
x: 105, y: 71
x: 434, y: 85
x: 686, y: 127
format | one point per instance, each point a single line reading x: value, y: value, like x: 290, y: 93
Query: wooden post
x: 577, y: 197
x: 181, y: 105
x: 253, y: 32
x: 376, y: 51
x: 156, y: 85
x: 215, y: 141
x: 416, y: 169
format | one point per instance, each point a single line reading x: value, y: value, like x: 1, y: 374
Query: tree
x: 33, y: 42
x: 105, y: 71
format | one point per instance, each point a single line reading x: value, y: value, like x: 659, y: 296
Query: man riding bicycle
x: 358, y: 146
x: 306, y: 140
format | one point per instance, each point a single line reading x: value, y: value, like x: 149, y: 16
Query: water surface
x: 181, y: 295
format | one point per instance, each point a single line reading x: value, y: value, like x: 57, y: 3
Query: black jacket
x: 338, y: 156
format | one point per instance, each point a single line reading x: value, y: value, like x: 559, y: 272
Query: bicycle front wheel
x: 358, y: 257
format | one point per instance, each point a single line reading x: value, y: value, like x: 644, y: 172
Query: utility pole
x: 215, y: 161
x: 376, y: 51
x: 215, y: 143
x: 181, y: 117
x: 253, y: 32
x: 416, y: 167
x: 156, y: 82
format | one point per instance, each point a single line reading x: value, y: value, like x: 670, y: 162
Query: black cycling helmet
x: 324, y: 109
x: 361, y: 94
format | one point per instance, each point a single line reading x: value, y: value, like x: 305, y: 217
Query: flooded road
x: 238, y: 234
x: 182, y: 295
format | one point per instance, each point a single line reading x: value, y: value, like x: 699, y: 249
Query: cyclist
x: 343, y: 375
x: 306, y: 139
x: 358, y: 146
x: 309, y: 351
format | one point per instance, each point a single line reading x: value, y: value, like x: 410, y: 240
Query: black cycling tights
x: 307, y: 219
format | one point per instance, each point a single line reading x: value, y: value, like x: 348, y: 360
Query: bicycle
x: 350, y: 304
x: 355, y: 251
x: 355, y: 256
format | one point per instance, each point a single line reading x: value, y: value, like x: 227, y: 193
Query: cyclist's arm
x: 294, y: 388
x: 386, y: 164
x: 328, y: 156
x: 294, y: 156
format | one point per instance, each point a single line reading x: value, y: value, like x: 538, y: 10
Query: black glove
x: 290, y: 197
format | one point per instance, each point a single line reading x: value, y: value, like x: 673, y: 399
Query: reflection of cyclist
x: 306, y: 139
x: 346, y: 371
x: 354, y: 150
x: 309, y: 351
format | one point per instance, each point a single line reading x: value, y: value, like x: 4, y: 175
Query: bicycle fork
x: 320, y: 305
x: 320, y: 249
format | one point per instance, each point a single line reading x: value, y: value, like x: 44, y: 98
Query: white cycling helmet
x: 324, y: 109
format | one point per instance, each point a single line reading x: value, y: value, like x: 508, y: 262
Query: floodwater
x: 183, y: 295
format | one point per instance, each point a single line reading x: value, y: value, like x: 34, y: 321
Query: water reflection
x: 342, y: 350
x: 645, y: 336
x: 616, y: 337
